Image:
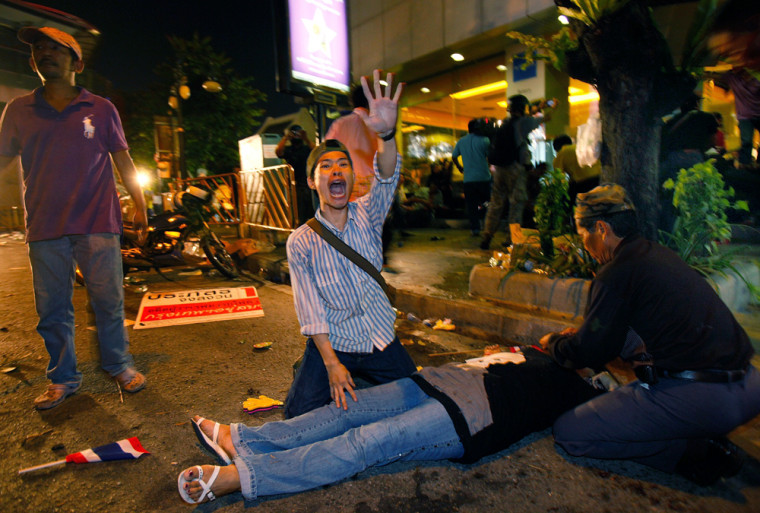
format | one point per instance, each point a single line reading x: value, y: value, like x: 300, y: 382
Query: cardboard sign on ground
x: 192, y: 306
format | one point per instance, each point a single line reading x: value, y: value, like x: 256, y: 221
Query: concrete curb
x: 482, y: 319
x: 520, y: 307
x: 566, y: 296
x: 569, y: 295
x: 733, y: 290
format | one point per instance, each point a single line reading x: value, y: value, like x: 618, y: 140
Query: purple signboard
x: 319, y: 43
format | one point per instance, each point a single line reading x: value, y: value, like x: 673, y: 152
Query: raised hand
x: 383, y: 110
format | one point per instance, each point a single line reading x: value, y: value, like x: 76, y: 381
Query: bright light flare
x: 143, y: 178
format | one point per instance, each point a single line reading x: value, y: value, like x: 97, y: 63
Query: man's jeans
x: 311, y: 386
x: 475, y: 194
x: 651, y: 425
x: 53, y: 265
x: 391, y: 422
x: 509, y: 184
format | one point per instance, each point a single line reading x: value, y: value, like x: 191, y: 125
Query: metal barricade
x: 270, y: 194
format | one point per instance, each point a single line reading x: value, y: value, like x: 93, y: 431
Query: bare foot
x: 227, y: 481
x: 224, y: 438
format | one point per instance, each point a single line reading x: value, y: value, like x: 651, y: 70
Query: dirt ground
x: 210, y: 369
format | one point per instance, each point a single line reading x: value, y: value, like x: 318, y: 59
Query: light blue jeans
x: 53, y: 264
x: 390, y: 422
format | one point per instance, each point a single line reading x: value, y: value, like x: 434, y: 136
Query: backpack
x: 504, y: 149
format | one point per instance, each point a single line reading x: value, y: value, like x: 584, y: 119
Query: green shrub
x: 552, y: 209
x: 701, y: 200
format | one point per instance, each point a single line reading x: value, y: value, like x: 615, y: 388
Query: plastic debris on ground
x: 485, y: 361
x: 444, y: 324
x: 261, y: 403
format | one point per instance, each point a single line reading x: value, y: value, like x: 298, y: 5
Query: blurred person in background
x: 473, y: 149
x: 296, y: 154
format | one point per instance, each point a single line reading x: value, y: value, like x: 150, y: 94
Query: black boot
x: 486, y: 242
x: 705, y: 461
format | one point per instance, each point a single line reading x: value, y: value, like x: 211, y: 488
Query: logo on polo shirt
x: 89, y: 128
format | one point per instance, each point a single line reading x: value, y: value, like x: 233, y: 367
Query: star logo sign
x: 320, y: 35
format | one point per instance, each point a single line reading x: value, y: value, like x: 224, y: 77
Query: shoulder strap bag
x: 353, y: 256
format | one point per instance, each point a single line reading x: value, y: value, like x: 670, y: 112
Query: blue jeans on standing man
x: 53, y: 269
x: 396, y: 421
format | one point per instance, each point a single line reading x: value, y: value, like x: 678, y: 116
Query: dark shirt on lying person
x: 495, y: 407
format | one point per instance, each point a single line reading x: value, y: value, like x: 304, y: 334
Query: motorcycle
x: 177, y: 237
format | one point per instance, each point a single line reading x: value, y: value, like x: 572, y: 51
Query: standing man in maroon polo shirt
x: 66, y: 137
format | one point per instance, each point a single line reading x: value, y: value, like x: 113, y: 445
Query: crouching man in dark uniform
x: 691, y: 356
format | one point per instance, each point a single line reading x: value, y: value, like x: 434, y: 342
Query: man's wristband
x: 389, y: 135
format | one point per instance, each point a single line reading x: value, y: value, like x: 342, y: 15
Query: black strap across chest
x: 348, y: 252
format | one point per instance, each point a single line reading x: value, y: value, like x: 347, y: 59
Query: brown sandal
x: 54, y: 395
x: 131, y: 380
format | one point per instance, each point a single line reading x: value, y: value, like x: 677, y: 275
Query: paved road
x: 211, y: 368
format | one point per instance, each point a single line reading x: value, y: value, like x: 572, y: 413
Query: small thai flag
x: 122, y: 450
x: 129, y: 449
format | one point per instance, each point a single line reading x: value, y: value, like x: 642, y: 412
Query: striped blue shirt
x: 332, y: 294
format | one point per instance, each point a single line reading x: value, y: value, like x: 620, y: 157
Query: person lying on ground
x: 341, y: 308
x: 458, y: 411
x: 690, y: 354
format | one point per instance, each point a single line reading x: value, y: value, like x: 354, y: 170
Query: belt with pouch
x: 704, y: 375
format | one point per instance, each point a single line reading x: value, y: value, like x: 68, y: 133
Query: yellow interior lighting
x: 575, y: 90
x: 583, y: 98
x: 477, y: 91
x: 719, y: 68
x: 412, y: 128
x: 502, y: 104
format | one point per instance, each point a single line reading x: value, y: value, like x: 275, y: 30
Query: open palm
x: 383, y: 109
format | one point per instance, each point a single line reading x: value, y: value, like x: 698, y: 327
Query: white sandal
x: 210, y: 444
x: 206, y: 485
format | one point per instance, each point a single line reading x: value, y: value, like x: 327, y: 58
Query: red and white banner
x: 192, y: 306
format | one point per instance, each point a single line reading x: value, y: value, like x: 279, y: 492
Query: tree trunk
x: 626, y: 57
x: 632, y: 140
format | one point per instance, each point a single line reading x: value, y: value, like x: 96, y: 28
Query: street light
x: 181, y: 91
